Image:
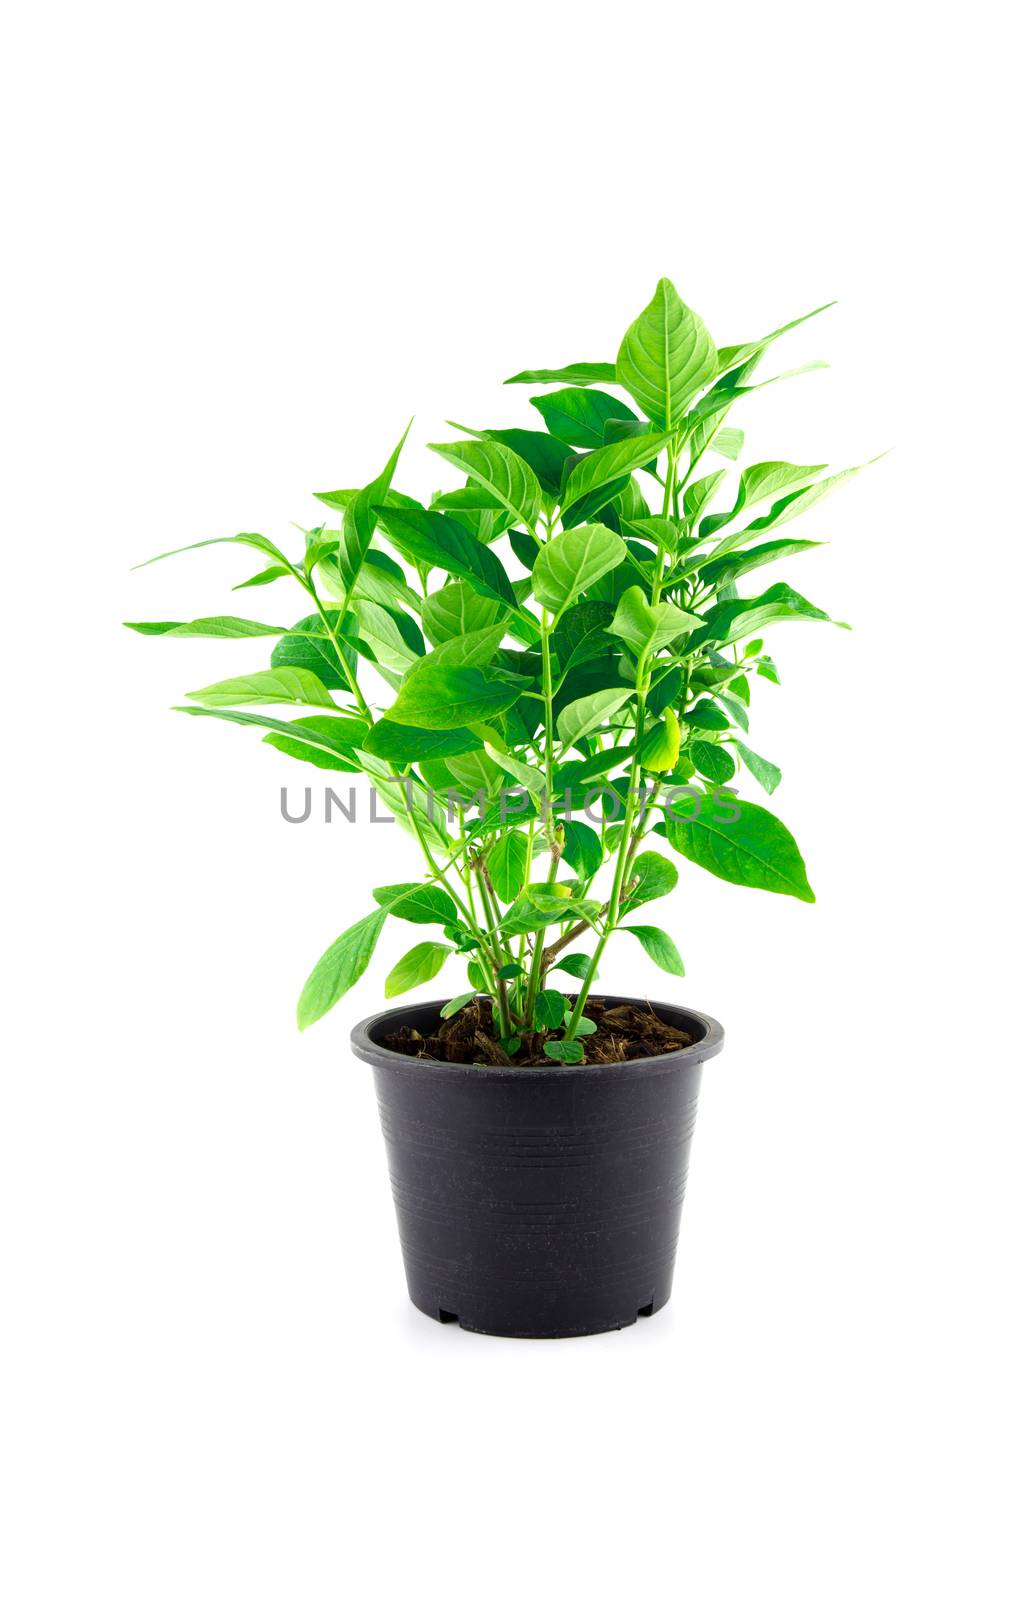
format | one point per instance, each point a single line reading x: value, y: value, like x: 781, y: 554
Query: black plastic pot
x: 538, y: 1202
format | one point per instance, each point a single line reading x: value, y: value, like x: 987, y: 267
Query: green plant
x: 611, y: 671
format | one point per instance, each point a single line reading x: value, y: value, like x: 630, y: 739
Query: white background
x: 246, y: 243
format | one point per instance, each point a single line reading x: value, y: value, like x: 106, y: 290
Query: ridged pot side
x: 538, y: 1202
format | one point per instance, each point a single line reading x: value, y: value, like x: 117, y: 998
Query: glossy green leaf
x: 728, y: 442
x: 451, y: 697
x: 280, y: 686
x: 401, y: 743
x: 443, y: 542
x: 574, y: 963
x: 360, y: 521
x: 341, y: 965
x: 506, y: 475
x: 335, y: 737
x: 646, y: 627
x: 582, y: 848
x: 567, y: 1051
x: 457, y: 609
x: 208, y: 628
x: 506, y: 864
x: 736, y: 354
x: 417, y: 902
x: 308, y: 647
x: 767, y: 774
x: 737, y: 841
x: 572, y: 562
x: 712, y: 761
x: 418, y: 965
x: 656, y: 943
x: 256, y: 541
x: 612, y: 462
x: 727, y: 569
x: 652, y: 877
x: 549, y: 1010
x: 578, y: 416
x: 735, y: 619
x: 794, y: 505
x: 546, y: 456
x: 588, y: 714
x: 326, y: 742
x: 579, y: 372
x: 667, y: 355
x: 476, y: 649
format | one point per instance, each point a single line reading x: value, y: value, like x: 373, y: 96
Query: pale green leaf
x: 667, y: 355
x: 569, y: 564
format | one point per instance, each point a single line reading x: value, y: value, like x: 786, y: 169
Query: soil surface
x: 623, y: 1033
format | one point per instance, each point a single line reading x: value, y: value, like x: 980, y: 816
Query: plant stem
x: 498, y: 955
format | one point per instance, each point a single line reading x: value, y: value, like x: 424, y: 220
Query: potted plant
x: 546, y: 674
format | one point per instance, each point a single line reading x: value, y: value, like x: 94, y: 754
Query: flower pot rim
x: 711, y: 1037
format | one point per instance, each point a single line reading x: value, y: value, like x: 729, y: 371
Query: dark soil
x: 624, y: 1033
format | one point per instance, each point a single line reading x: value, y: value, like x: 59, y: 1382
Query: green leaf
x: 728, y: 442
x: 579, y: 372
x: 572, y: 562
x: 507, y: 476
x: 326, y: 742
x: 578, y: 416
x: 614, y: 461
x: 394, y: 638
x: 308, y: 648
x: 416, y: 966
x: 712, y: 761
x: 280, y: 686
x: 769, y: 478
x: 578, y: 633
x: 342, y: 965
x: 335, y: 737
x: 566, y: 1050
x: 656, y: 943
x: 506, y: 865
x: 647, y: 628
x: 659, y: 750
x: 456, y: 609
x: 459, y: 1003
x: 360, y: 521
x: 531, y: 778
x: 706, y: 714
x: 401, y: 743
x: 699, y: 494
x: 736, y: 354
x: 737, y: 841
x: 269, y: 575
x: 546, y: 456
x: 441, y: 541
x: 793, y: 505
x: 576, y: 964
x: 451, y: 697
x: 476, y: 649
x: 582, y: 848
x: 417, y: 902
x: 735, y: 619
x: 549, y: 1009
x: 256, y: 541
x: 727, y: 569
x: 208, y: 628
x: 532, y: 911
x: 767, y: 774
x: 588, y: 713
x: 655, y: 877
x: 667, y: 355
